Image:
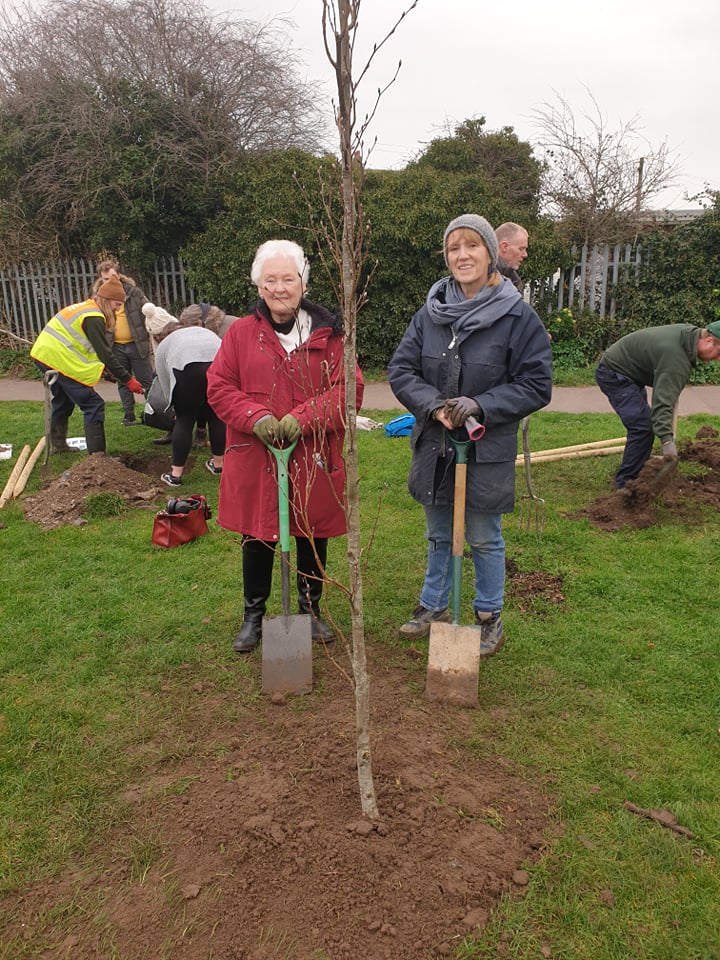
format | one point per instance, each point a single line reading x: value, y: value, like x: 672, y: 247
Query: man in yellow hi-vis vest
x: 75, y: 343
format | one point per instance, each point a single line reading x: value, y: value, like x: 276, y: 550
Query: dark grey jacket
x: 511, y: 273
x: 506, y: 367
x: 134, y: 300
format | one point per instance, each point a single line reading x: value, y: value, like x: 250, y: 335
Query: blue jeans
x: 629, y: 401
x: 483, y: 531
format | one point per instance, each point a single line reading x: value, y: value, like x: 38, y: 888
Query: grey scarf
x: 448, y: 306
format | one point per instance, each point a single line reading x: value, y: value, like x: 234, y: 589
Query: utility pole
x: 638, y: 194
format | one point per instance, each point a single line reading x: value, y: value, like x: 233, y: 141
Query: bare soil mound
x: 133, y: 479
x: 664, y: 488
x: 64, y: 501
x: 256, y: 847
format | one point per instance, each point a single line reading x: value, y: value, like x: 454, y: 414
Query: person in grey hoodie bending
x: 182, y: 359
x: 473, y: 349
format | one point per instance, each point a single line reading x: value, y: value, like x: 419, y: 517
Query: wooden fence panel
x: 590, y: 283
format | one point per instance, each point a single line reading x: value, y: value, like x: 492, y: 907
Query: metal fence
x: 591, y: 282
x: 30, y: 293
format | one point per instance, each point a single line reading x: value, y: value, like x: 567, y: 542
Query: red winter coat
x: 252, y: 376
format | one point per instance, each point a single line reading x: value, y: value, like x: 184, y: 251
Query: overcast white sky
x: 654, y: 59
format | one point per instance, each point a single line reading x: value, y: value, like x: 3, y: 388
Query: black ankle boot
x: 321, y: 631
x: 249, y: 636
x: 95, y: 437
x: 257, y: 561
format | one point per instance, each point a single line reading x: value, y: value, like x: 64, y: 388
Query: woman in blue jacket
x: 474, y: 349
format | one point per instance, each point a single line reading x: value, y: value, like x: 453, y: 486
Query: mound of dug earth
x: 63, y: 502
x: 664, y: 488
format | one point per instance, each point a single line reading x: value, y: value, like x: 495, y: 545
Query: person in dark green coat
x: 662, y: 358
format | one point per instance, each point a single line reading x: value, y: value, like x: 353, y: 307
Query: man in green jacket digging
x: 662, y: 358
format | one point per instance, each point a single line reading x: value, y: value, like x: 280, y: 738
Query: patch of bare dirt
x: 664, y: 488
x: 533, y: 591
x: 259, y: 849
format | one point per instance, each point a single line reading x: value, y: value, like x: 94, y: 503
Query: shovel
x: 286, y: 640
x: 49, y: 379
x: 454, y: 650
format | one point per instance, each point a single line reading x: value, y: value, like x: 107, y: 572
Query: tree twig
x: 664, y: 817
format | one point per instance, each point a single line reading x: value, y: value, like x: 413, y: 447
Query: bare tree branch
x: 141, y: 98
x: 597, y: 180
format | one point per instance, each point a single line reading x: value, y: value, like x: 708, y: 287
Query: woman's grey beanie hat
x: 472, y: 221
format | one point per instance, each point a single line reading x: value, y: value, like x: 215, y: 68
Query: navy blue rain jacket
x: 506, y: 367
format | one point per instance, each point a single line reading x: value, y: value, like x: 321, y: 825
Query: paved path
x: 378, y: 396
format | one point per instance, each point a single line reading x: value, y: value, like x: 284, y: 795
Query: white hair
x: 279, y: 248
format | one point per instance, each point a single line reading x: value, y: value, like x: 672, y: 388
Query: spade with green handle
x: 286, y: 640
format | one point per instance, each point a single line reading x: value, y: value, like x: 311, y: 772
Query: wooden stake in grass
x: 12, y: 479
x: 28, y: 468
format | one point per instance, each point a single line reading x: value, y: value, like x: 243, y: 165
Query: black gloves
x: 458, y: 409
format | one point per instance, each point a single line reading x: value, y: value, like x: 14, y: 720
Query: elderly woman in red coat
x: 278, y: 377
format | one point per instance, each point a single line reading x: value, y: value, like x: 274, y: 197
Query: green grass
x: 612, y: 697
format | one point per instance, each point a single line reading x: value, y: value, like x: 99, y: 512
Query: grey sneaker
x: 419, y: 623
x: 491, y: 633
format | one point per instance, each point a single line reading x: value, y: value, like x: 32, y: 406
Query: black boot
x: 95, y: 437
x: 164, y: 440
x: 58, y: 433
x: 310, y: 580
x: 258, y: 559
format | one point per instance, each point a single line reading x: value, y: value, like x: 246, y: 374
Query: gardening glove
x: 458, y: 409
x: 134, y: 385
x: 669, y: 449
x: 290, y: 428
x: 267, y: 430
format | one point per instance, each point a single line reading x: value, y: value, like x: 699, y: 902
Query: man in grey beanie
x: 474, y: 349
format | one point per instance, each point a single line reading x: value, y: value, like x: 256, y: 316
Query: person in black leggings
x: 182, y: 360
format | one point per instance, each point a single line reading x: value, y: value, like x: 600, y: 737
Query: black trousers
x: 258, y: 557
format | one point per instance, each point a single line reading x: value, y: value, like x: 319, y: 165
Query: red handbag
x: 182, y: 521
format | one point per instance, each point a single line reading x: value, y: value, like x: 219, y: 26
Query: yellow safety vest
x: 62, y: 344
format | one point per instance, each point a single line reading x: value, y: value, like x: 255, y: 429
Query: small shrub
x: 16, y: 362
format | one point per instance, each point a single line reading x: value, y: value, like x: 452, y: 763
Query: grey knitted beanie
x: 472, y: 221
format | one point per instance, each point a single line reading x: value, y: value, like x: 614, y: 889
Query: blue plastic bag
x: 401, y: 426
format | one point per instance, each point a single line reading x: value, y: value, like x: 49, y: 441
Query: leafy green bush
x: 578, y: 339
x: 405, y: 212
x: 678, y: 276
x: 17, y: 363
